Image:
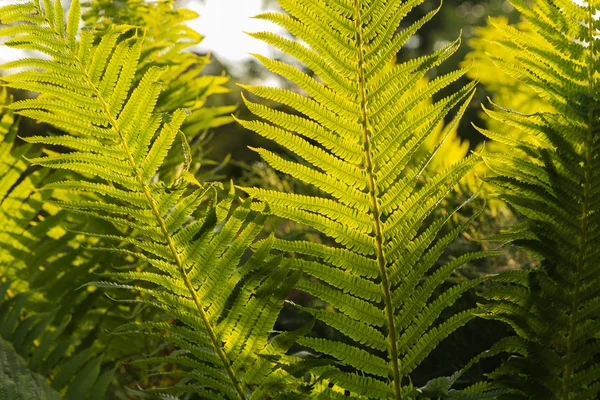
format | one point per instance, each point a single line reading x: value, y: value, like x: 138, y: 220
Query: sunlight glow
x: 223, y: 23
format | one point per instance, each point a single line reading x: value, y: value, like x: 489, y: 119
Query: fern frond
x: 550, y: 177
x: 355, y: 138
x: 196, y: 268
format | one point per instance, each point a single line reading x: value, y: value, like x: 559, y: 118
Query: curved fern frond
x: 116, y: 141
x: 551, y: 177
x: 358, y: 128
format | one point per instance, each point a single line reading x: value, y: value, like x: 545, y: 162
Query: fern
x: 116, y: 141
x: 50, y: 350
x: 185, y: 85
x: 12, y: 168
x: 551, y: 177
x: 17, y: 382
x: 26, y: 239
x: 356, y: 139
x: 506, y: 89
x: 42, y: 263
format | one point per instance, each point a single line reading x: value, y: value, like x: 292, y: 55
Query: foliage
x: 347, y: 267
x: 32, y: 237
x: 550, y: 177
x: 167, y: 40
x: 17, y: 381
x: 505, y: 88
x: 48, y: 347
x: 18, y: 202
x: 167, y: 45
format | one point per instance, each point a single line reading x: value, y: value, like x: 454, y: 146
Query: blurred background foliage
x: 220, y: 147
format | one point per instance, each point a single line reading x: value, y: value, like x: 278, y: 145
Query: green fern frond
x: 358, y: 128
x: 550, y: 177
x: 195, y: 267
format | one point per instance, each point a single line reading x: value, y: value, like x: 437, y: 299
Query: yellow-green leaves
x: 355, y: 136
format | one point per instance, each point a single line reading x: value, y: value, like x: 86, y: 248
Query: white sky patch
x: 223, y: 23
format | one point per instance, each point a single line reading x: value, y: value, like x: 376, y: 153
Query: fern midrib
x: 163, y: 227
x: 152, y: 204
x: 376, y: 213
x: 585, y: 209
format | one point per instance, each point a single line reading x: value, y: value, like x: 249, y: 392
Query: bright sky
x: 223, y: 23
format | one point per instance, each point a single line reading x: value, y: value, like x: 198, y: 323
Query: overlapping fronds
x: 356, y: 135
x: 39, y: 256
x: 505, y: 89
x: 551, y: 177
x: 191, y: 264
x: 43, y: 340
x: 167, y: 45
x: 241, y: 306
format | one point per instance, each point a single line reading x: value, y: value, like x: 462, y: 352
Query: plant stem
x: 376, y: 213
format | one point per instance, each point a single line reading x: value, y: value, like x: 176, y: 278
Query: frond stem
x: 155, y: 211
x: 163, y: 227
x: 585, y: 210
x: 373, y: 192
